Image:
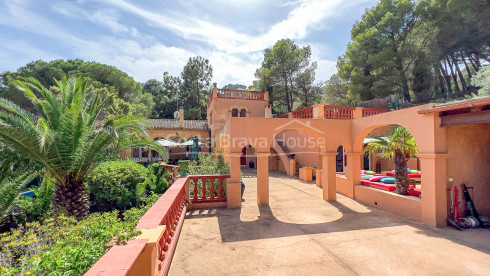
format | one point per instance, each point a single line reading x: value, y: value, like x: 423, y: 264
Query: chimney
x: 181, y: 116
x: 268, y: 111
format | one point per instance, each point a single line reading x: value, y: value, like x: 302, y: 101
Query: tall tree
x: 380, y: 55
x: 164, y: 95
x: 336, y: 92
x: 107, y: 78
x: 68, y: 137
x: 283, y: 66
x: 196, y: 79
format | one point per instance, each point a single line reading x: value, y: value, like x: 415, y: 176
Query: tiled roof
x: 174, y: 124
x: 475, y: 102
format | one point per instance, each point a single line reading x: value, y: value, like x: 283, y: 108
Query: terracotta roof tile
x: 174, y: 124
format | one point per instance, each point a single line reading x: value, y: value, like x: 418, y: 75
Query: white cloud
x: 234, y: 55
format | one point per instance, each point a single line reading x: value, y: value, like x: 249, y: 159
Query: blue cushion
x: 388, y: 180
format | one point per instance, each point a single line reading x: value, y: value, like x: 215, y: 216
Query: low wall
x: 408, y: 206
x: 342, y: 186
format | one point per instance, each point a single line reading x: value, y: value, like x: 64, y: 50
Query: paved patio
x: 301, y: 234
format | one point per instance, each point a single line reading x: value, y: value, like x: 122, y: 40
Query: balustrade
x: 305, y: 113
x: 207, y: 188
x: 240, y: 94
x: 370, y: 112
x: 338, y: 112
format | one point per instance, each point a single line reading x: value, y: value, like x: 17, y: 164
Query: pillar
x: 353, y: 171
x: 233, y: 184
x: 329, y: 180
x: 434, y: 194
x: 357, y: 113
x: 319, y: 111
x: 263, y: 178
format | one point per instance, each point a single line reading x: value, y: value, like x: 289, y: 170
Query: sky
x: 147, y: 38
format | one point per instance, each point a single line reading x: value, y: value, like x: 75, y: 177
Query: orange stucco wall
x: 468, y: 162
x: 408, y: 206
x: 298, y: 141
x: 220, y: 111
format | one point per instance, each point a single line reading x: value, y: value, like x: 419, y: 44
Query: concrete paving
x: 301, y: 234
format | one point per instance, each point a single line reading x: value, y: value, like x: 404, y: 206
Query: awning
x: 191, y: 143
x: 168, y: 143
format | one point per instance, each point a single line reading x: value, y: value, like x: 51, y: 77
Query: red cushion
x: 414, y: 192
x: 379, y: 185
x: 390, y: 174
x: 414, y: 175
x: 376, y: 178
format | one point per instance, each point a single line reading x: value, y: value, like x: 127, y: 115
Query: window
x: 234, y: 112
x: 243, y: 113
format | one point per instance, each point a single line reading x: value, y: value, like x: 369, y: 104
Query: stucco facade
x: 441, y: 149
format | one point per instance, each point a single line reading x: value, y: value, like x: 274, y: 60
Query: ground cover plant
x: 65, y: 246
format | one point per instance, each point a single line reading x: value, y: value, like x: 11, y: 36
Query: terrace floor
x: 300, y: 233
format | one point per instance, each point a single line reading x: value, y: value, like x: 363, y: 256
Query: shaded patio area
x: 300, y: 233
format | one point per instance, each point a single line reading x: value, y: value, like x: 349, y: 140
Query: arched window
x: 243, y: 113
x: 234, y: 112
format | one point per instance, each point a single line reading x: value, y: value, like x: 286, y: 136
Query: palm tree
x: 399, y: 145
x: 67, y: 136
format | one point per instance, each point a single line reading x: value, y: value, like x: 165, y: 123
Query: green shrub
x: 159, y: 178
x: 39, y: 208
x: 117, y: 184
x: 63, y: 246
x: 209, y: 164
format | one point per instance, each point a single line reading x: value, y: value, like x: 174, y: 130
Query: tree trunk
x: 455, y: 78
x: 406, y: 90
x: 441, y: 79
x: 473, y: 63
x: 73, y: 198
x: 401, y: 173
x: 448, y: 80
x: 461, y: 77
x: 466, y: 64
x: 287, y: 94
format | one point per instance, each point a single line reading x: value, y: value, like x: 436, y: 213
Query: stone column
x: 233, y: 184
x: 329, y: 180
x: 263, y: 178
x: 353, y: 171
x: 434, y: 193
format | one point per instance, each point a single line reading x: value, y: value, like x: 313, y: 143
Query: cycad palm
x: 399, y: 145
x: 67, y: 136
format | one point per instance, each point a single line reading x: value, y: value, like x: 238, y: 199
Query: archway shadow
x: 267, y: 226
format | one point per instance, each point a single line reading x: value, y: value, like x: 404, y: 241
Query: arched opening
x: 248, y: 158
x: 234, y: 112
x: 382, y: 167
x: 341, y: 161
x: 243, y: 112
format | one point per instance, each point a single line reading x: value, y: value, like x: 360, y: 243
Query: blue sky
x: 146, y: 38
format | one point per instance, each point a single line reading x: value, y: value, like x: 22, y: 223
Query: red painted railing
x: 240, y: 94
x: 338, y: 112
x: 304, y: 113
x: 173, y: 219
x: 370, y: 112
x: 173, y: 170
x: 207, y: 188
